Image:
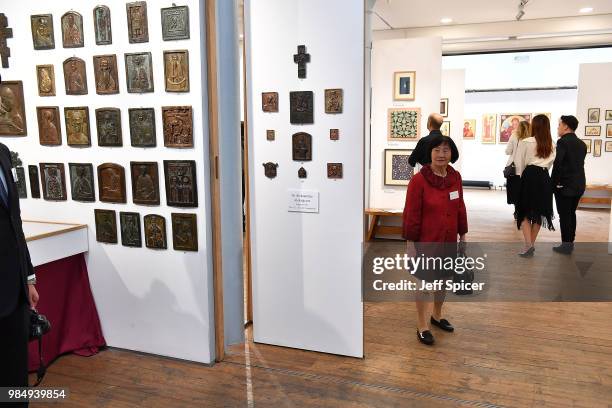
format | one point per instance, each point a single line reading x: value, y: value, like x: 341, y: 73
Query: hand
x: 32, y: 296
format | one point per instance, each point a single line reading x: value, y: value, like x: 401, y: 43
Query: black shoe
x: 425, y: 337
x: 565, y: 248
x: 443, y: 324
x: 528, y: 253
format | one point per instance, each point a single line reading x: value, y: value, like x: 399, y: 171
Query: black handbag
x: 39, y: 326
x: 510, y: 170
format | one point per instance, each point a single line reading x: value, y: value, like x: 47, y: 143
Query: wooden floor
x: 502, y: 354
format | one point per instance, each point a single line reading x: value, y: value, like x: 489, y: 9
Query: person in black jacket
x: 420, y: 154
x: 568, y: 180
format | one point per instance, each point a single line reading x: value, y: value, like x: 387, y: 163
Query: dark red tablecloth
x: 66, y: 300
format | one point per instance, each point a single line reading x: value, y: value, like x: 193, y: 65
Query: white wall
x: 307, y: 267
x: 152, y: 301
x: 453, y: 88
x: 424, y: 56
x: 594, y: 86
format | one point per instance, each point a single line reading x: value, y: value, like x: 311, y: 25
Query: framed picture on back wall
x: 592, y: 130
x: 588, y: 143
x: 508, y: 123
x: 597, y: 148
x: 489, y: 128
x: 404, y: 86
x: 444, y: 107
x: 609, y: 130
x: 397, y: 170
x: 609, y: 115
x: 445, y: 128
x: 593, y: 115
x: 609, y: 146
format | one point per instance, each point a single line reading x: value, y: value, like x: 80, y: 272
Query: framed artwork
x: 397, y: 170
x: 35, y: 181
x: 609, y: 130
x: 82, y: 184
x: 108, y: 125
x: 106, y: 226
x: 404, y: 124
x: 608, y: 114
x: 334, y: 100
x: 155, y: 231
x: 138, y: 26
x: 106, y: 75
x: 270, y: 169
x: 72, y: 30
x: 334, y: 170
x: 593, y: 115
x: 597, y: 148
x: 131, y: 235
x: 334, y: 134
x: 22, y: 189
x: 445, y: 128
x: 178, y: 126
x: 301, y: 107
x: 75, y: 76
x: 302, y: 173
x: 508, y: 124
x: 102, y: 25
x: 489, y: 128
x: 111, y: 183
x: 49, y: 128
x: 592, y: 131
x: 270, y: 135
x: 444, y: 107
x: 42, y: 31
x: 53, y: 181
x: 184, y: 232
x: 301, y: 146
x: 45, y: 74
x: 175, y: 23
x: 12, y: 114
x: 77, y: 126
x: 269, y: 101
x: 608, y: 149
x: 181, y: 183
x: 142, y: 127
x: 176, y: 70
x: 139, y: 72
x: 469, y: 129
x: 404, y: 86
x: 145, y: 183
x: 588, y: 143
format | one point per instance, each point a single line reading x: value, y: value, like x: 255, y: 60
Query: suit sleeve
x: 412, y: 217
x: 462, y: 223
x: 417, y: 153
x: 556, y: 171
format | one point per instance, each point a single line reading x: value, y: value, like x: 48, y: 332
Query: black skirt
x: 513, y: 188
x: 535, y: 198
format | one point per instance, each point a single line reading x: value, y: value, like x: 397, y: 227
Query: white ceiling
x: 427, y: 13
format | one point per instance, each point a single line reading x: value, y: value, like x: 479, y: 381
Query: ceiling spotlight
x: 586, y: 9
x: 446, y: 20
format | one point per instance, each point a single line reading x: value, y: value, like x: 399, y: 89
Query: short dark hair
x: 570, y: 121
x: 437, y: 140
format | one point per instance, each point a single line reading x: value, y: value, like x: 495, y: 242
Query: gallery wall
x: 144, y: 297
x: 453, y: 89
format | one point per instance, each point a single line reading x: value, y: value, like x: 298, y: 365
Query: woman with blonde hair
x: 513, y: 181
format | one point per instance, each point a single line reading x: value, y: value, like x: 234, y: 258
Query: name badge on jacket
x: 454, y: 195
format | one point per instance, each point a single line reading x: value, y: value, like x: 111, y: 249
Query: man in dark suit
x: 420, y: 153
x: 568, y: 180
x: 17, y: 280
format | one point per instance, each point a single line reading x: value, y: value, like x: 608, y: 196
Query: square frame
x: 388, y: 163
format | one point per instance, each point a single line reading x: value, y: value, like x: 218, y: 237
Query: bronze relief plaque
x: 102, y: 25
x: 155, y: 231
x: 181, y: 185
x: 108, y: 124
x: 145, y: 183
x: 334, y: 170
x: 131, y: 235
x: 178, y: 126
x: 82, y: 183
x: 111, y: 183
x: 45, y: 74
x: 176, y: 70
x: 142, y: 127
x: 42, y: 31
x: 139, y: 72
x: 270, y: 169
x: 72, y: 30
x: 138, y: 26
x: 269, y: 101
x: 334, y: 134
x: 270, y: 135
x: 77, y: 126
x: 333, y: 100
x: 302, y: 173
x: 301, y: 107
x: 49, y: 128
x: 105, y: 73
x: 106, y: 226
x: 12, y: 111
x: 184, y: 232
x: 75, y: 76
x: 175, y: 23
x: 301, y: 146
x: 22, y: 190
x: 34, y: 181
x: 53, y: 181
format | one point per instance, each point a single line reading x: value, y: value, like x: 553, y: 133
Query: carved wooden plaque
x: 175, y: 23
x: 53, y: 181
x: 42, y: 31
x: 184, y: 232
x: 111, y: 183
x: 155, y: 231
x: 181, y: 184
x: 108, y: 124
x: 302, y: 146
x: 333, y: 100
x: 334, y: 134
x: 302, y: 173
x: 301, y: 107
x: 45, y: 74
x: 106, y: 226
x: 139, y: 72
x: 72, y: 30
x: 75, y: 76
x: 106, y: 75
x: 12, y: 111
x: 138, y: 26
x: 131, y: 235
x: 145, y: 183
x: 34, y: 181
x: 176, y: 70
x: 77, y: 126
x: 142, y: 127
x: 270, y: 169
x: 270, y: 135
x: 178, y: 126
x: 269, y: 101
x: 102, y: 25
x: 334, y: 170
x: 22, y: 189
x: 49, y: 128
x: 82, y: 183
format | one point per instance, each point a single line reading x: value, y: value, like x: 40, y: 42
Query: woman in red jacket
x: 434, y: 213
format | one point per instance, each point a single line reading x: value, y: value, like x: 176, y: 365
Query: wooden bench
x: 377, y: 215
x: 602, y: 196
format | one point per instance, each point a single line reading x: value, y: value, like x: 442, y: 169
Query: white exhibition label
x: 306, y: 201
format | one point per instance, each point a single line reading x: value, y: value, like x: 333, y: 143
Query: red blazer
x: 430, y: 215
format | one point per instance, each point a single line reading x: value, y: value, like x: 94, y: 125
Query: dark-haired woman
x: 534, y: 157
